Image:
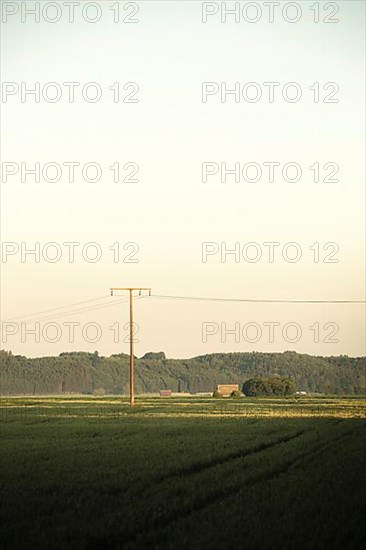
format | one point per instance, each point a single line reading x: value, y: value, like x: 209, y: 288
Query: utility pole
x: 132, y: 374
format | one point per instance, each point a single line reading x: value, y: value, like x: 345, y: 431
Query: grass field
x: 90, y: 473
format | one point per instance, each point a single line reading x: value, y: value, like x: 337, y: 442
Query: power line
x: 55, y: 308
x: 73, y: 312
x: 82, y: 310
x: 259, y: 300
x: 108, y: 303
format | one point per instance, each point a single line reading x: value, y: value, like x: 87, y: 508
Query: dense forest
x: 81, y: 372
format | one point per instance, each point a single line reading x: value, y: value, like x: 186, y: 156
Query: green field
x: 90, y: 473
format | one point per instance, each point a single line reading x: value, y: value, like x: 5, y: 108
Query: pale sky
x: 170, y: 211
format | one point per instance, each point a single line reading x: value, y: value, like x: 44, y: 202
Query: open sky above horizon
x: 170, y: 211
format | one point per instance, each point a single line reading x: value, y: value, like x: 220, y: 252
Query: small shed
x: 165, y: 393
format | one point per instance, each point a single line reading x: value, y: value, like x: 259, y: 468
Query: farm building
x: 227, y: 389
x: 165, y: 393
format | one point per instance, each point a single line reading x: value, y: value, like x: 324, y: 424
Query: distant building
x: 165, y: 393
x: 227, y: 389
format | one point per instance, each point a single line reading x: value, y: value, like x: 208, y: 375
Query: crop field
x: 192, y: 473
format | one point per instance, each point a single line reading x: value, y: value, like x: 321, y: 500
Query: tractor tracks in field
x: 205, y: 500
x: 221, y: 494
x: 204, y: 465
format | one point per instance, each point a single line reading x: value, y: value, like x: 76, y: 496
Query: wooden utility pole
x: 132, y: 374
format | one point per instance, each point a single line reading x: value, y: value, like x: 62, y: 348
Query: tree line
x: 84, y: 372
